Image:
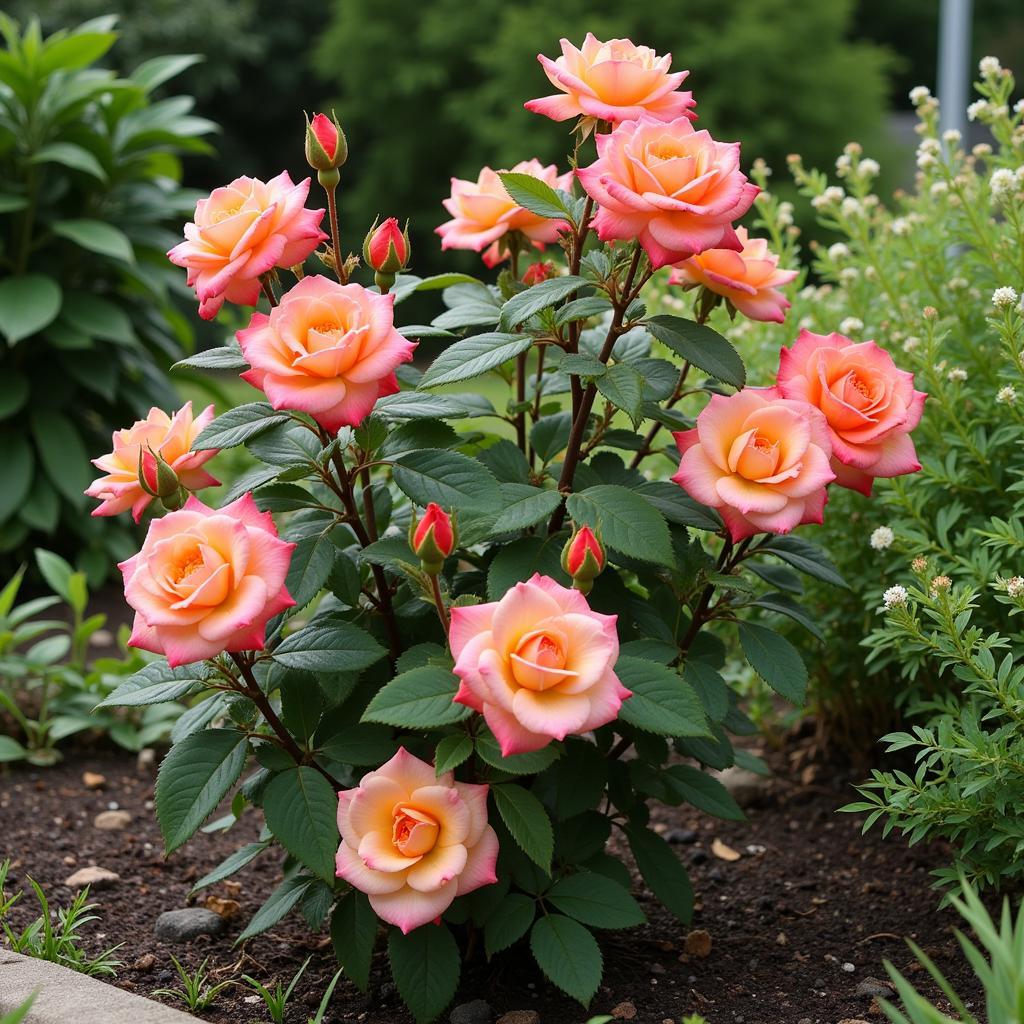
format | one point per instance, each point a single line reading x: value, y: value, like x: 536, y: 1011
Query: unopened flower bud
x: 156, y: 477
x: 433, y: 538
x: 583, y: 558
x: 537, y: 272
x: 386, y: 249
x: 326, y: 148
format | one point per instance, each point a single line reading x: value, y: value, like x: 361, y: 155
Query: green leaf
x: 775, y: 660
x: 237, y: 425
x: 360, y: 744
x: 425, y: 965
x: 806, y: 556
x: 450, y: 479
x: 526, y: 819
x: 421, y: 698
x: 662, y: 702
x: 508, y: 922
x: 525, y: 304
x: 534, y: 195
x: 625, y: 521
x: 56, y: 571
x: 583, y: 309
x: 70, y: 155
x: 519, y: 560
x: 18, y: 467
x: 329, y: 644
x: 473, y: 356
x: 624, y: 388
x: 153, y: 73
x: 595, y: 900
x: 14, y: 392
x: 225, y: 357
x: 231, y: 864
x: 550, y: 435
x: 578, y: 779
x: 700, y: 345
x: 11, y: 750
x: 301, y: 809
x: 157, y: 683
x: 451, y: 752
x: 10, y: 203
x: 414, y: 405
x: 96, y: 317
x: 704, y: 791
x: 97, y: 236
x: 311, y: 565
x: 568, y: 954
x: 661, y: 869
x: 524, y: 506
x: 27, y: 304
x: 193, y: 779
x: 278, y: 904
x: 531, y: 763
x: 353, y: 934
x: 74, y: 51
x: 62, y: 453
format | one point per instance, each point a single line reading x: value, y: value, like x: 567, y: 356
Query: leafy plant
x: 195, y: 991
x: 90, y: 169
x: 276, y: 999
x: 54, y: 936
x: 19, y: 1013
x: 326, y: 1000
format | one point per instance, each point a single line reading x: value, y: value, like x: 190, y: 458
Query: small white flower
x: 851, y: 325
x: 1015, y: 586
x: 838, y: 252
x: 989, y: 66
x: 919, y: 94
x: 895, y: 596
x: 951, y: 136
x: 849, y: 274
x: 1018, y: 107
x: 911, y: 343
x: 978, y: 109
x: 1004, y: 297
x: 926, y: 160
x: 929, y: 145
x: 869, y: 167
x: 1007, y: 395
x: 956, y: 375
x: 843, y: 164
x: 957, y: 284
x: 981, y: 149
x: 852, y: 207
x: 806, y: 323
x: 1002, y: 184
x: 832, y: 195
x: 900, y: 226
x: 939, y: 188
x: 882, y: 537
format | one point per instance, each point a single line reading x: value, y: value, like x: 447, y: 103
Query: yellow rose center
x: 754, y: 455
x: 230, y: 211
x: 185, y: 565
x: 413, y: 832
x: 539, y: 660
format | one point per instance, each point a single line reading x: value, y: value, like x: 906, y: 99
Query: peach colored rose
x: 207, y: 581
x: 240, y: 232
x: 749, y: 279
x: 538, y: 664
x: 413, y: 842
x: 327, y: 349
x: 675, y: 189
x: 761, y: 460
x: 483, y: 213
x: 870, y: 406
x: 170, y: 437
x: 613, y: 81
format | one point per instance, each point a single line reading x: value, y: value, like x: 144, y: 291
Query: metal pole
x: 954, y: 63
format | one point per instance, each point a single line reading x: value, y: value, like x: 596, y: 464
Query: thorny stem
x: 579, y: 238
x: 537, y: 390
x: 339, y: 260
x: 268, y: 290
x: 371, y: 512
x: 442, y: 611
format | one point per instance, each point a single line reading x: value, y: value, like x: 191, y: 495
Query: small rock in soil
x: 624, y: 1011
x: 874, y: 987
x: 724, y: 851
x: 657, y: 968
x: 92, y: 876
x: 476, y: 1012
x: 93, y: 780
x: 698, y: 943
x: 146, y: 962
x: 520, y: 1017
x: 698, y: 857
x: 189, y: 923
x: 112, y: 821
x: 746, y: 787
x: 145, y: 763
x: 682, y: 836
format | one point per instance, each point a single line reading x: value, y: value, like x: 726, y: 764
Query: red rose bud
x: 537, y: 272
x: 158, y: 480
x: 386, y: 249
x: 583, y: 559
x: 433, y: 538
x: 326, y: 148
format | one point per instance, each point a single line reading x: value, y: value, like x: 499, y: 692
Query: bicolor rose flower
x: 413, y: 842
x: 386, y: 247
x: 613, y: 81
x: 869, y: 404
x: 749, y: 279
x: 674, y: 189
x: 207, y: 581
x: 538, y: 665
x: 241, y: 231
x: 483, y: 213
x: 326, y: 349
x: 760, y: 460
x: 169, y: 437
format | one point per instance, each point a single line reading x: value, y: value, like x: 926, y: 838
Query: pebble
x: 873, y: 987
x: 657, y: 968
x: 681, y: 836
x: 112, y: 821
x: 476, y: 1012
x: 145, y: 763
x: 520, y: 1017
x: 92, y: 876
x: 188, y: 923
x: 93, y: 780
x: 849, y: 968
x: 698, y: 857
x: 746, y: 787
x: 698, y: 943
x: 624, y: 1011
x: 146, y: 962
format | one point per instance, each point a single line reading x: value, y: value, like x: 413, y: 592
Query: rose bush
x: 467, y: 654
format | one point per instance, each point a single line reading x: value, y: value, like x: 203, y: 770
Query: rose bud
x: 583, y: 559
x: 537, y: 272
x: 326, y: 148
x: 386, y: 248
x: 433, y: 538
x: 159, y: 480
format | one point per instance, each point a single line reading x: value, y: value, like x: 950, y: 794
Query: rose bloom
x: 675, y: 189
x: 613, y: 81
x: 413, y: 842
x: 240, y: 232
x: 870, y: 406
x: 749, y: 279
x: 326, y: 349
x: 170, y: 437
x: 483, y: 213
x: 538, y: 664
x: 207, y: 581
x: 760, y: 460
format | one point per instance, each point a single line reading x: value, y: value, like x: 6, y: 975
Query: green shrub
x: 89, y: 175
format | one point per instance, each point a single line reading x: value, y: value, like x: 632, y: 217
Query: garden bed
x: 807, y: 900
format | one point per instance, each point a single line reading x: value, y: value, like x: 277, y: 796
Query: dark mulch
x: 807, y: 899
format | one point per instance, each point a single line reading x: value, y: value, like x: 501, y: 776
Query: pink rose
x: 413, y: 842
x: 483, y: 213
x: 675, y: 189
x: 327, y: 349
x: 748, y: 278
x: 613, y: 81
x: 240, y: 232
x: 762, y: 461
x: 538, y: 664
x: 207, y: 581
x: 170, y: 437
x: 870, y: 406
